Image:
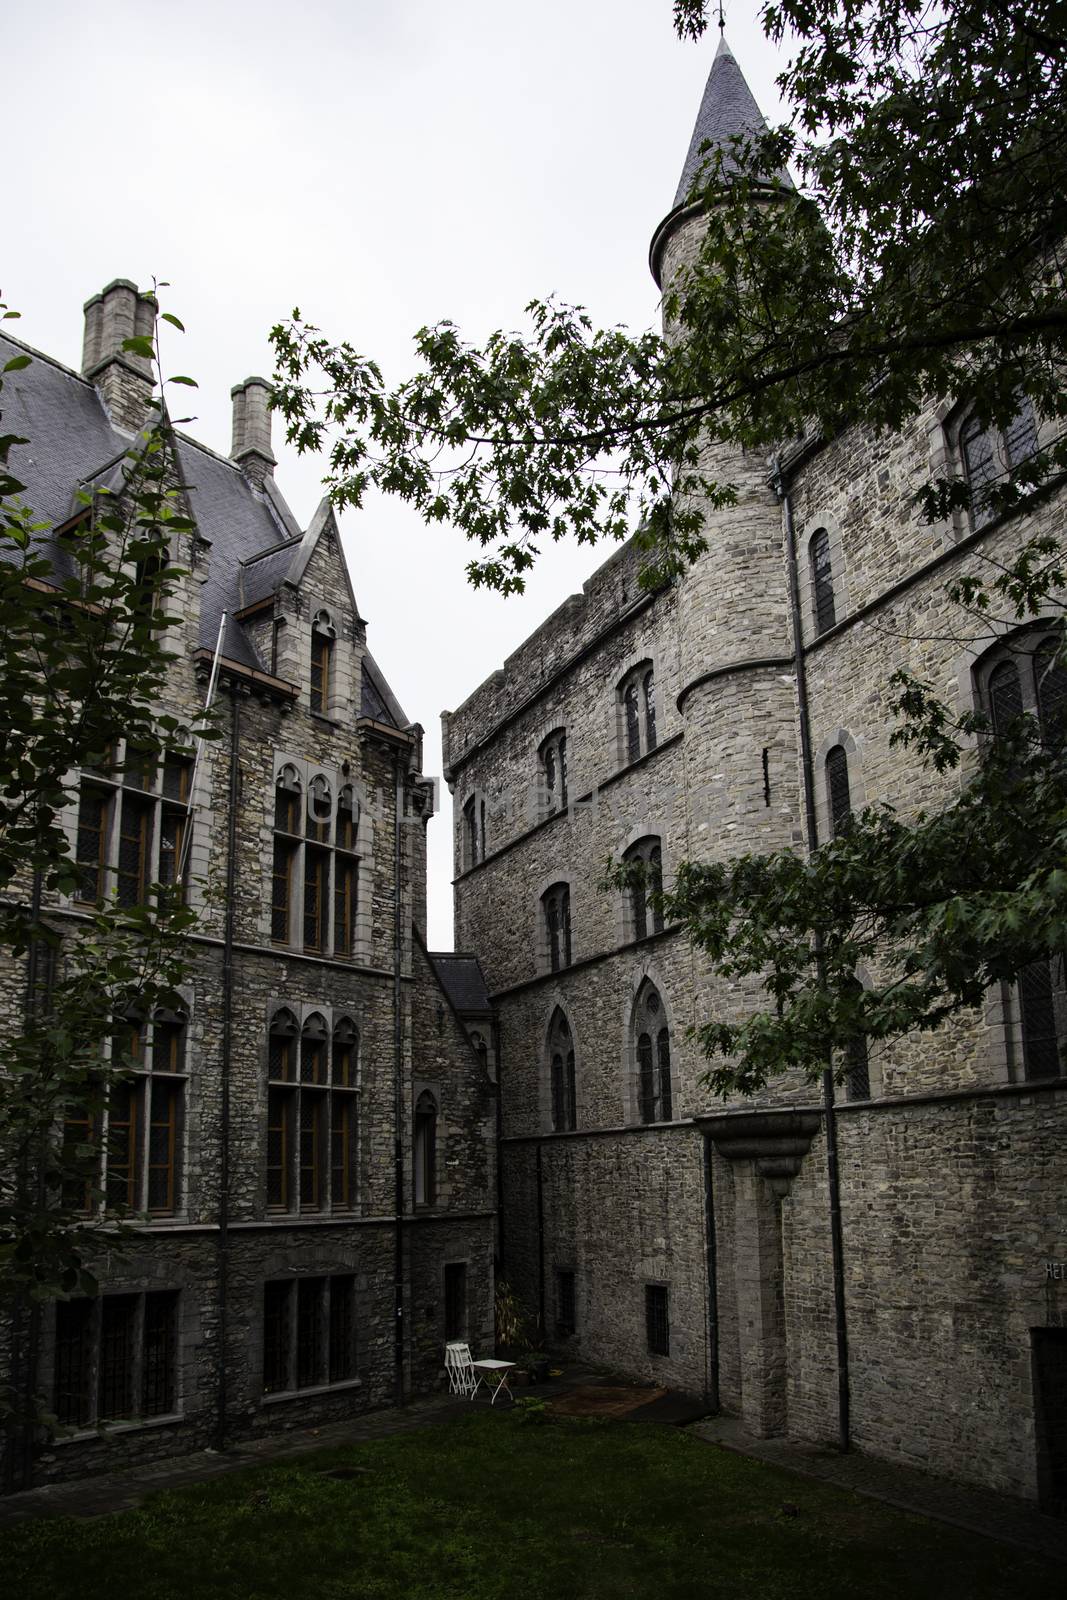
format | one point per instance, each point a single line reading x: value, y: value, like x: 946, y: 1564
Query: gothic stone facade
x: 687, y: 1242
x: 303, y: 1238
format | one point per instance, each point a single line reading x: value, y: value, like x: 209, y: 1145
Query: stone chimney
x: 124, y: 381
x: 251, y: 429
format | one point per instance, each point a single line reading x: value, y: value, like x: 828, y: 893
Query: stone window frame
x: 646, y: 973
x: 1003, y: 1008
x: 821, y: 517
x: 542, y: 944
x: 650, y: 731
x: 853, y: 748
x: 626, y: 921
x: 335, y: 1017
x: 947, y: 459
x: 553, y: 797
x: 556, y: 1007
x: 310, y: 1271
x: 166, y: 1277
x: 116, y: 785
x: 473, y: 835
x: 310, y: 772
x: 324, y: 628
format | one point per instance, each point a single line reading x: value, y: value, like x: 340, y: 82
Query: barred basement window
x: 146, y: 844
x: 561, y: 1070
x: 132, y: 1143
x: 309, y: 1333
x: 556, y: 912
x: 455, y: 1300
x: 425, y: 1150
x: 637, y: 699
x: 822, y: 581
x: 657, y: 1319
x: 115, y: 1358
x: 652, y: 1049
x: 323, y: 634
x: 566, y: 1318
x: 646, y: 911
x: 838, y: 793
x: 312, y: 1114
x: 553, y: 758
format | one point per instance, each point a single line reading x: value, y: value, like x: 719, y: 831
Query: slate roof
x: 728, y: 108
x: 255, y: 540
x: 463, y: 980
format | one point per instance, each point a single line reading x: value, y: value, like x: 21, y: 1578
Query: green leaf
x: 17, y: 363
x: 192, y: 383
x: 140, y: 345
x: 175, y: 322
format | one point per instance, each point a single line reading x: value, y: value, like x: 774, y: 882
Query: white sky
x: 382, y: 164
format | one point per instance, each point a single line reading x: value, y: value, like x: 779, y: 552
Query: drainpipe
x: 398, y: 1093
x: 540, y: 1240
x: 499, y: 1114
x: 229, y: 931
x: 829, y: 1111
x: 710, y: 1257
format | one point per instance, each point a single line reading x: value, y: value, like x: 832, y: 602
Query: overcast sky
x: 381, y: 164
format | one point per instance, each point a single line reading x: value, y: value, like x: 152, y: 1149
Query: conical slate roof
x: 728, y: 108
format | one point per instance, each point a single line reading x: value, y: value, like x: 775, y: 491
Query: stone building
x: 910, y: 1299
x: 312, y: 1140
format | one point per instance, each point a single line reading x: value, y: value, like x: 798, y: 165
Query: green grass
x: 497, y: 1508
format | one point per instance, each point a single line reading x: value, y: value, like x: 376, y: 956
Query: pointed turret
x: 727, y: 109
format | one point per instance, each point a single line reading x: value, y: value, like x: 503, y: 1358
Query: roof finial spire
x: 722, y: 20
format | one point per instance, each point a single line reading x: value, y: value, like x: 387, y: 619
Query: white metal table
x: 495, y: 1374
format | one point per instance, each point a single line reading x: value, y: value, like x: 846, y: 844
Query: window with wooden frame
x: 644, y: 905
x: 1022, y: 684
x: 288, y: 801
x: 553, y: 760
x: 323, y: 635
x: 309, y: 1332
x: 312, y: 1114
x: 346, y: 873
x: 556, y: 916
x: 636, y: 696
x: 115, y: 1358
x: 561, y: 1073
x: 315, y: 873
x: 652, y: 1049
x: 425, y: 1149
x: 131, y: 834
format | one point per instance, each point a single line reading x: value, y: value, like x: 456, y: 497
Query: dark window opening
x: 455, y: 1300
x: 822, y: 581
x: 566, y: 1317
x: 657, y: 1320
x: 838, y: 791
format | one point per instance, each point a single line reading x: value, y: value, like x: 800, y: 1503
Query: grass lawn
x: 513, y: 1509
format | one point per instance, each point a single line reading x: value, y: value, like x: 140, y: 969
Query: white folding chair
x: 459, y: 1368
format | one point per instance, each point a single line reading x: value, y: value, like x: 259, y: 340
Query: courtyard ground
x: 497, y: 1506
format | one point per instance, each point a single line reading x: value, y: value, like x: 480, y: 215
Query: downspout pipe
x: 828, y: 1107
x: 710, y: 1259
x: 398, y: 1090
x: 26, y: 1321
x: 229, y: 931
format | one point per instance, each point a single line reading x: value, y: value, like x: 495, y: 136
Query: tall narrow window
x: 346, y: 874
x: 135, y: 834
x: 637, y: 705
x: 561, y: 1073
x: 838, y: 794
x: 174, y: 817
x: 645, y: 905
x: 277, y: 1300
x: 323, y: 634
x: 556, y: 910
x: 425, y: 1149
x: 657, y: 1319
x: 342, y: 1292
x: 94, y: 820
x: 455, y: 1300
x: 310, y: 1332
x: 115, y: 1379
x: 344, y: 1107
x: 822, y: 580
x: 281, y: 1109
x: 71, y: 1391
x: 159, y: 1355
x: 473, y: 831
x: 566, y: 1310
x: 857, y: 1065
x: 287, y: 807
x: 553, y: 757
x: 313, y: 1107
x: 652, y: 1053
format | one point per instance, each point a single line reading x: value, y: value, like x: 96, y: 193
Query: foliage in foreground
x: 489, y: 1508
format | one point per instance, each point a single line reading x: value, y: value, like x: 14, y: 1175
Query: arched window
x: 312, y: 1113
x: 553, y: 758
x: 556, y: 910
x: 857, y: 1064
x: 1026, y: 676
x: 346, y: 874
x: 838, y: 794
x: 652, y: 1050
x: 323, y: 634
x: 425, y: 1151
x: 473, y: 831
x: 317, y: 866
x: 645, y: 907
x: 989, y: 454
x: 561, y: 1073
x: 287, y: 807
x: 637, y: 702
x: 481, y: 1048
x: 822, y: 581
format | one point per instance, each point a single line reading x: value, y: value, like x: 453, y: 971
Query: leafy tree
x: 917, y: 257
x: 83, y: 664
